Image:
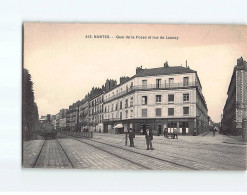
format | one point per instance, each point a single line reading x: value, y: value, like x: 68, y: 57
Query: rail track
x: 41, y: 150
x: 36, y: 160
x: 148, y: 157
x: 71, y: 163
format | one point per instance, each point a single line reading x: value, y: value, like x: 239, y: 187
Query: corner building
x: 234, y: 112
x: 165, y: 97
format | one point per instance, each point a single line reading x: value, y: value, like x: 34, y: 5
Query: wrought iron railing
x: 153, y: 86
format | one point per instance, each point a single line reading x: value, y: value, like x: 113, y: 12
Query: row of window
x: 170, y: 112
x: 170, y: 82
x: 120, y: 90
x: 186, y: 98
x: 97, y: 119
x: 121, y: 115
x: 96, y: 101
x: 145, y: 113
x: 158, y: 85
x: 120, y: 105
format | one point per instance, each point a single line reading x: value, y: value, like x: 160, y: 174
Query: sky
x: 65, y: 65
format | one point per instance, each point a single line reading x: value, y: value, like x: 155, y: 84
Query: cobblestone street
x: 108, y: 151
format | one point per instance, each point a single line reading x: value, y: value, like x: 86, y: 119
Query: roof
x: 164, y: 71
x: 159, y: 71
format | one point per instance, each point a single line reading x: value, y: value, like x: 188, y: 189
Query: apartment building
x: 95, y: 114
x: 234, y: 112
x: 72, y: 117
x: 83, y: 114
x: 158, y: 98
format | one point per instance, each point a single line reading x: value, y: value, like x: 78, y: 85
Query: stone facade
x: 83, y: 114
x: 234, y: 113
x: 170, y: 100
x: 95, y: 107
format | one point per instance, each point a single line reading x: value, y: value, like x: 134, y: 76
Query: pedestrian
x: 194, y: 133
x: 175, y: 133
x: 165, y: 132
x: 214, y: 129
x: 131, y: 137
x: 149, y: 138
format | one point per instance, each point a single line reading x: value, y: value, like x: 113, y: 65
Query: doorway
x: 184, y: 126
x: 144, y: 129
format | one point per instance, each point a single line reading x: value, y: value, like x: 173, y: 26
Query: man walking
x: 214, y: 129
x: 175, y: 134
x: 131, y: 137
x: 165, y: 132
x: 149, y: 138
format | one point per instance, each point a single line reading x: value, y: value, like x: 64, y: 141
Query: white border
x: 14, y: 13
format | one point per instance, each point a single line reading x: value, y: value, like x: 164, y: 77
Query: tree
x: 30, y: 116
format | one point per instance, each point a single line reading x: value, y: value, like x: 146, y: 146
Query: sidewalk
x: 204, y: 138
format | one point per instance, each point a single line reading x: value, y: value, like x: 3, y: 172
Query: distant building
x: 72, y: 117
x: 61, y: 119
x: 210, y: 123
x: 95, y: 115
x: 57, y: 121
x: 158, y: 98
x: 62, y: 123
x: 83, y: 114
x: 53, y: 120
x: 234, y: 113
x: 42, y: 119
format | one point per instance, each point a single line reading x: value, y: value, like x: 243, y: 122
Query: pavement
x: 88, y: 157
x: 202, y: 152
x: 31, y: 150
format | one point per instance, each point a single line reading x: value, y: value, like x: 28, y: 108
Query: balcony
x: 111, y: 119
x: 153, y: 87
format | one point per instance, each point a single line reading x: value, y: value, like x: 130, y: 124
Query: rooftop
x: 164, y: 71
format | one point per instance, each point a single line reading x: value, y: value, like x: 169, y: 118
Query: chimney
x: 138, y: 69
x: 166, y: 64
x: 123, y: 79
x: 186, y: 64
x: 240, y: 61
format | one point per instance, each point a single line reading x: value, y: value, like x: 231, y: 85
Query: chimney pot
x: 166, y: 64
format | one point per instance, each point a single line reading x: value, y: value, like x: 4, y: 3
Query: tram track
x: 131, y: 151
x: 115, y: 155
x: 61, y: 147
x: 36, y: 160
x: 71, y: 163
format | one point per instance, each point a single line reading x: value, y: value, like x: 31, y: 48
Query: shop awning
x: 120, y: 125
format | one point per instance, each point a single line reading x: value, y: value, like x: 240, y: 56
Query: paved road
x: 184, y: 153
x: 206, y: 155
x: 87, y: 157
x: 52, y: 156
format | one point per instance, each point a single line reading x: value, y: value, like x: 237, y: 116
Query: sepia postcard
x: 134, y: 96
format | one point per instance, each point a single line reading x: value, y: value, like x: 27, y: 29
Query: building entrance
x: 144, y: 127
x: 184, y: 125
